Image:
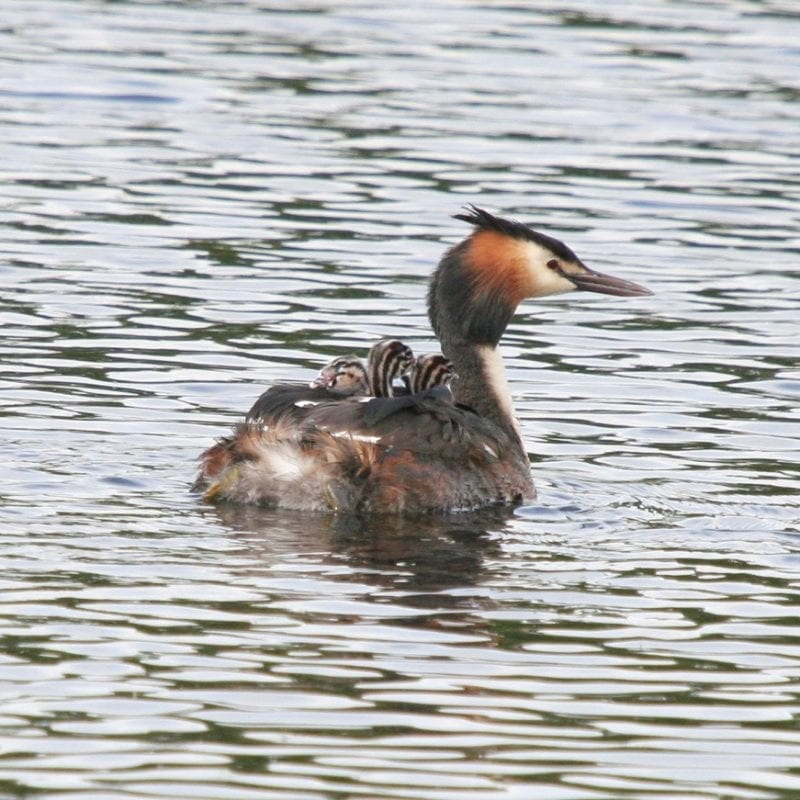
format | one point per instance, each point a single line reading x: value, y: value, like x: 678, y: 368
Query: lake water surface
x: 202, y: 198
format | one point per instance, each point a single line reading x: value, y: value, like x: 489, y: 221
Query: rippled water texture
x: 203, y: 198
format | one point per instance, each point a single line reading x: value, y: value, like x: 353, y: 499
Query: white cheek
x: 550, y: 282
x: 544, y: 280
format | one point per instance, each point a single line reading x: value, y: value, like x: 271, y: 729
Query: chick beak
x: 325, y: 380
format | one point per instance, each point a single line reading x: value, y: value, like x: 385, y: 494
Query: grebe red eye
x: 557, y: 268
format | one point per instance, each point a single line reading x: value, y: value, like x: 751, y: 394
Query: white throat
x: 495, y: 371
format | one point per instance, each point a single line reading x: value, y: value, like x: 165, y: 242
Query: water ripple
x: 209, y: 199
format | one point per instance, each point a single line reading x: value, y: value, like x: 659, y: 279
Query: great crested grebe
x: 422, y: 452
x: 428, y: 371
x: 345, y: 376
x: 388, y: 359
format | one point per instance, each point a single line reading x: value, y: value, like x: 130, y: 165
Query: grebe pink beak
x: 324, y: 380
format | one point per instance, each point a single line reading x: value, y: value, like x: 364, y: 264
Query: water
x: 202, y: 198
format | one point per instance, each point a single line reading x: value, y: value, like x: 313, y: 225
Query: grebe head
x: 345, y: 376
x: 429, y: 371
x: 480, y: 282
x: 388, y: 359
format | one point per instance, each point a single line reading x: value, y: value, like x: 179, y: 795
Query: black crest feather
x: 483, y: 220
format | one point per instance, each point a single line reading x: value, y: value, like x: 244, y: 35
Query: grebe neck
x: 480, y: 382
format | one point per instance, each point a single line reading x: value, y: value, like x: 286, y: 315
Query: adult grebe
x: 419, y: 453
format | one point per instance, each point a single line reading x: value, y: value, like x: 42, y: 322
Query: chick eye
x: 554, y: 265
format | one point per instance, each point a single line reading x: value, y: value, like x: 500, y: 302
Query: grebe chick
x: 428, y: 371
x: 419, y: 453
x: 345, y: 376
x: 427, y: 380
x: 388, y: 359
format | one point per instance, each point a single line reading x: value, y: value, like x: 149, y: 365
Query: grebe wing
x: 289, y: 401
x: 421, y: 402
x: 426, y: 423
